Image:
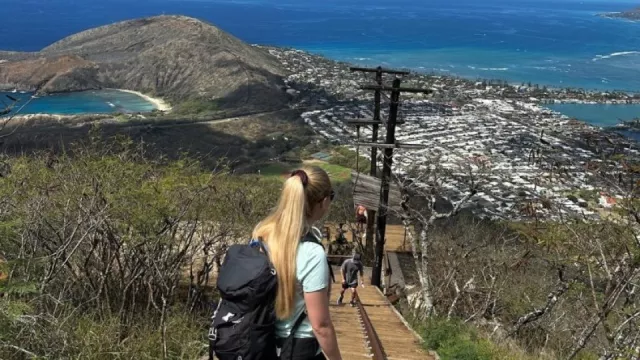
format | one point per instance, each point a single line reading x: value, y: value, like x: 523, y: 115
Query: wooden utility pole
x: 381, y: 224
x: 388, y: 146
x: 379, y: 71
x: 376, y: 121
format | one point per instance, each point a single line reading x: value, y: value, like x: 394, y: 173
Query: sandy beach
x: 159, y: 103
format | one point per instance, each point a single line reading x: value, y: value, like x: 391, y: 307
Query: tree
x: 616, y: 263
x: 423, y: 200
x: 598, y: 267
x: 563, y: 284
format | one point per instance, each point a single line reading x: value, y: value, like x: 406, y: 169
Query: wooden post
x: 373, y: 171
x: 376, y: 118
x: 380, y: 217
x: 387, y: 272
x: 371, y: 213
x: 381, y: 224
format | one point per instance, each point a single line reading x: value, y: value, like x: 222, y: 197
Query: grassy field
x: 336, y: 172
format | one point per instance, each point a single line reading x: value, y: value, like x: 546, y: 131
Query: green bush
x: 453, y: 340
x: 72, y: 335
x: 347, y: 158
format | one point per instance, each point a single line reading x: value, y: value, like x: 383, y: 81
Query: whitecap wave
x: 550, y: 68
x: 489, y: 69
x: 110, y: 104
x: 616, y: 54
x: 495, y: 69
x: 362, y: 59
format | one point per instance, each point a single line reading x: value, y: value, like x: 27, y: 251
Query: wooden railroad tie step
x: 396, y: 340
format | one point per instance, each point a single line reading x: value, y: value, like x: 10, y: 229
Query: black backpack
x: 243, y: 324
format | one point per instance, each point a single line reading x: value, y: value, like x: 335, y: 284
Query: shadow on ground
x: 240, y: 140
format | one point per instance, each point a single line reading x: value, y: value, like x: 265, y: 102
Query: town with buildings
x: 532, y: 162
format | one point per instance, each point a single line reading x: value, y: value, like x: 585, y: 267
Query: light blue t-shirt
x: 312, y: 272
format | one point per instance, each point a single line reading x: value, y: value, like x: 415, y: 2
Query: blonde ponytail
x: 285, y: 226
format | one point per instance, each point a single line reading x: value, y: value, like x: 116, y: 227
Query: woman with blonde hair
x: 301, y: 267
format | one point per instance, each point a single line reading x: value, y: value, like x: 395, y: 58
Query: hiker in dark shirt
x: 350, y: 269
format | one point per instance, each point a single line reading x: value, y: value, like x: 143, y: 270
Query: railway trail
x: 373, y: 329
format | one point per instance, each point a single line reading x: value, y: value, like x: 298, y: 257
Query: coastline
x: 469, y: 121
x: 159, y: 103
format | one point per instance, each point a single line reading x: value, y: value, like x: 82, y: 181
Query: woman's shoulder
x: 311, y: 248
x: 312, y: 266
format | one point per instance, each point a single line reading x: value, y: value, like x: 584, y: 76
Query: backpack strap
x: 291, y: 338
x: 309, y: 237
x: 298, y: 322
x: 213, y: 332
x: 260, y: 243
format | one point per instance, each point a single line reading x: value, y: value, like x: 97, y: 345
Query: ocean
x: 549, y: 42
x: 603, y: 115
x: 95, y: 102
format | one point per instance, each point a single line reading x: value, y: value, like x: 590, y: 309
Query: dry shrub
x: 100, y: 244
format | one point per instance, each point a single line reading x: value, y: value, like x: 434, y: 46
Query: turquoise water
x: 601, y: 114
x: 94, y: 102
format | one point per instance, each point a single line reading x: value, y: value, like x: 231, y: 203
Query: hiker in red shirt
x: 361, y: 218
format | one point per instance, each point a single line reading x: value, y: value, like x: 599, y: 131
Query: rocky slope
x: 174, y: 57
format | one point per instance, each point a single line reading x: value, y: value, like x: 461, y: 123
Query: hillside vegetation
x: 174, y: 57
x: 512, y: 290
x: 106, y: 254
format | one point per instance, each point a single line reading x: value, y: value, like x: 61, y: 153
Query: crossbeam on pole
x: 378, y: 219
x: 379, y: 69
x: 396, y: 145
x: 390, y: 88
x: 400, y: 145
x: 366, y: 121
